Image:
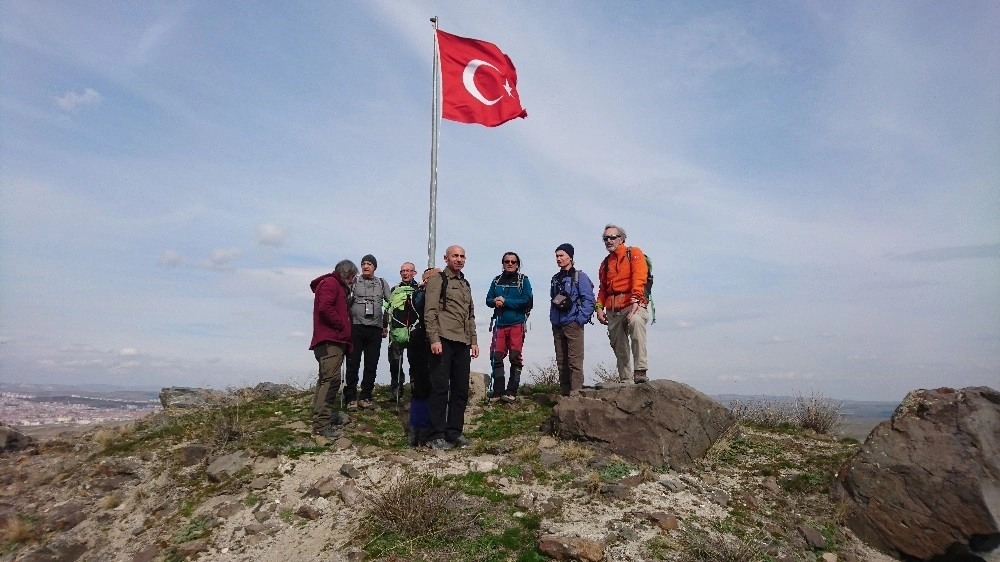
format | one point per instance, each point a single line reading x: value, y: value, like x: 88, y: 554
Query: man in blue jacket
x: 572, y: 305
x: 510, y: 297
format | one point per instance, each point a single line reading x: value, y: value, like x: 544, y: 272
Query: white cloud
x: 126, y: 351
x: 223, y: 257
x: 785, y: 376
x: 171, y: 258
x: 270, y: 235
x: 70, y: 101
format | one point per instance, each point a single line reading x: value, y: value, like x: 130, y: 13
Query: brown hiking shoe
x: 640, y: 376
x: 352, y: 405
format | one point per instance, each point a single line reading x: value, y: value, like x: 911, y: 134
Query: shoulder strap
x: 444, y: 288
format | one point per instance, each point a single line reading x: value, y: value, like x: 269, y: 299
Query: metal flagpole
x: 435, y: 121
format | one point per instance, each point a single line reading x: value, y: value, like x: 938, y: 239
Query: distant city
x: 23, y: 405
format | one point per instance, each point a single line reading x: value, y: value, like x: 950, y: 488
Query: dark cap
x: 566, y: 247
x: 370, y: 258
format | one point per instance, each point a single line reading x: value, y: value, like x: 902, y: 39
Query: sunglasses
x: 510, y: 262
x: 610, y: 237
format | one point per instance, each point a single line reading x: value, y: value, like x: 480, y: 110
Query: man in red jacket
x: 331, y: 341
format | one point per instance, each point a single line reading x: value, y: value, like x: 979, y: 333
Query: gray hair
x: 621, y: 231
x: 346, y: 269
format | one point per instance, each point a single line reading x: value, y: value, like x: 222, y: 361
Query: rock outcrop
x: 183, y: 397
x: 926, y: 484
x: 661, y: 422
x: 13, y: 440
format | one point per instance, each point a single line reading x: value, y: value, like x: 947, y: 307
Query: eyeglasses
x: 611, y: 237
x: 407, y: 270
x: 510, y: 262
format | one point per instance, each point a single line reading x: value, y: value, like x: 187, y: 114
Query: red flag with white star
x: 478, y: 82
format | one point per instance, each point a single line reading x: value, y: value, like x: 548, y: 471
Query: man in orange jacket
x: 622, y: 304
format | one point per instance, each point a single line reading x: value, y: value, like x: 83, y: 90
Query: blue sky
x: 818, y: 184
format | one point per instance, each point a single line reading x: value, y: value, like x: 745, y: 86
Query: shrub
x: 416, y: 508
x: 711, y: 546
x: 818, y: 413
x: 764, y: 413
x: 603, y: 373
x: 547, y: 375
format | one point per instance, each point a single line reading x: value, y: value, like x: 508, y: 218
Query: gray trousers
x: 330, y: 357
x: 628, y: 336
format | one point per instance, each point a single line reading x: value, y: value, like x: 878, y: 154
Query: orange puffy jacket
x: 622, y: 282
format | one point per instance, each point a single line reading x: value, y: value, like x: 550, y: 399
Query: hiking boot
x: 640, y: 376
x: 353, y: 405
x: 509, y: 398
x: 440, y: 445
x: 461, y: 442
x: 329, y: 433
x: 366, y: 404
x: 495, y: 399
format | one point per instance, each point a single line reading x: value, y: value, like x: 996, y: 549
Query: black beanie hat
x: 370, y: 258
x: 566, y: 247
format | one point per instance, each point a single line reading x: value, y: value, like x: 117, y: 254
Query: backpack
x: 648, y: 289
x: 520, y: 288
x: 403, y: 316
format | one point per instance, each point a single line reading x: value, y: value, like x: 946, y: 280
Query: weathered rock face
x: 13, y: 440
x: 926, y: 484
x: 181, y: 397
x: 661, y: 422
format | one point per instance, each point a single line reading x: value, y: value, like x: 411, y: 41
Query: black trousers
x: 419, y: 352
x: 367, y: 342
x: 449, y: 374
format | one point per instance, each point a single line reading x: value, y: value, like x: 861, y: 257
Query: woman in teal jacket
x: 510, y: 298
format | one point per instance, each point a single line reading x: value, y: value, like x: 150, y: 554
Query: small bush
x: 764, y: 413
x: 544, y: 375
x: 818, y: 413
x: 18, y: 530
x: 710, y: 546
x: 110, y: 501
x: 416, y: 508
x: 603, y: 373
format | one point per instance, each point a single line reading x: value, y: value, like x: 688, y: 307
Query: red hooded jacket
x: 331, y: 319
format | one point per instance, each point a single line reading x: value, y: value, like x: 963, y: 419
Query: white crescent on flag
x: 468, y: 78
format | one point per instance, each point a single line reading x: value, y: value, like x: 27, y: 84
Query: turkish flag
x: 478, y: 82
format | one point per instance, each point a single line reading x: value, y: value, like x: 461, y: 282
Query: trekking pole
x: 493, y: 353
x: 399, y: 379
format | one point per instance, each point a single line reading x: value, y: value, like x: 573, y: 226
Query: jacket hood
x: 315, y: 282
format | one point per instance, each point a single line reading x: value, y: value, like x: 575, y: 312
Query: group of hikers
x: 432, y: 322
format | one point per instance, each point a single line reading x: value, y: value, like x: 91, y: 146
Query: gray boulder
x: 660, y: 423
x: 925, y: 485
x: 274, y: 390
x: 183, y: 397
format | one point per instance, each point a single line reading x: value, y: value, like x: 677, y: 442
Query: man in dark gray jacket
x: 368, y: 295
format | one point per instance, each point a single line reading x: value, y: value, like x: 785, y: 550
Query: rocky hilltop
x: 239, y: 477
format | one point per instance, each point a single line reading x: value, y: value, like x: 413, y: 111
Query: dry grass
x: 703, y: 545
x: 110, y: 501
x: 18, y: 531
x: 816, y: 412
x: 527, y: 452
x: 574, y: 451
x: 416, y: 508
